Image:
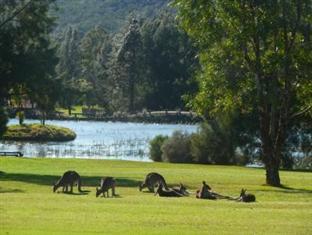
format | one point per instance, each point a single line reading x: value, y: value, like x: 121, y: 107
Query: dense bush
x: 177, y: 148
x: 213, y: 144
x: 155, y: 147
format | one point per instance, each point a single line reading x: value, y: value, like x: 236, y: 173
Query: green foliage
x: 254, y: 55
x: 213, y: 144
x: 155, y: 148
x: 36, y: 132
x: 170, y: 63
x: 109, y: 14
x: 27, y: 58
x: 177, y: 148
x: 95, y: 50
x: 130, y: 61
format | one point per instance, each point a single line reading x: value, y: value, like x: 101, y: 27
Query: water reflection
x: 128, y: 141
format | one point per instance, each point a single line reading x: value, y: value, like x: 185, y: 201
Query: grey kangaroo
x: 151, y: 180
x: 181, y: 190
x: 246, y: 197
x: 204, y: 192
x: 106, y: 184
x: 166, y: 193
x: 69, y: 178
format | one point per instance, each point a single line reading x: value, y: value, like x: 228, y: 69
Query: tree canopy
x: 255, y: 56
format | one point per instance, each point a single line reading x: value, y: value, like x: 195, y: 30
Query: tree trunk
x: 270, y: 147
x: 69, y: 110
x: 272, y: 176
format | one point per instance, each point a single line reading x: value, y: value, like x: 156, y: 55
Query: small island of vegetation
x: 38, y: 132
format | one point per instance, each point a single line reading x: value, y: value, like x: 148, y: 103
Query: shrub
x: 213, y: 144
x: 177, y: 148
x: 155, y: 147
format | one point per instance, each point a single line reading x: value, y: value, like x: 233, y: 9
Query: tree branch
x: 17, y: 12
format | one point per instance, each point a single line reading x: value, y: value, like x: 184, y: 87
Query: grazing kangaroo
x: 151, y: 180
x: 106, y: 184
x: 181, y: 190
x: 246, y: 197
x: 165, y: 193
x: 69, y: 178
x: 204, y: 192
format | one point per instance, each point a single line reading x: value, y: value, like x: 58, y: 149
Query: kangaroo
x: 181, y: 190
x: 151, y: 180
x: 106, y: 184
x: 164, y: 193
x: 246, y: 197
x: 69, y: 178
x: 204, y: 192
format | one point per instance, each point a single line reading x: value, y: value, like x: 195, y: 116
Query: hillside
x: 110, y: 14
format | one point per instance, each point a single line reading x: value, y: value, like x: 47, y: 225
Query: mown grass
x: 37, y: 132
x: 28, y: 206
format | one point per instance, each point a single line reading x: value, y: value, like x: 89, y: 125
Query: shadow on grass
x: 7, y: 190
x: 51, y: 179
x: 286, y: 189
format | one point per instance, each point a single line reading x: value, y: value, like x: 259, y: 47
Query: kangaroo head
x: 54, y: 188
x: 97, y: 192
x: 140, y: 186
x: 243, y: 191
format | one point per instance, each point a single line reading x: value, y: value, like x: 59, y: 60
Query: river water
x: 98, y: 140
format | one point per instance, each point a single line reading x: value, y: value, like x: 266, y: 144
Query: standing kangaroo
x: 151, y: 180
x: 106, y: 184
x: 167, y: 193
x: 69, y: 178
x: 246, y: 197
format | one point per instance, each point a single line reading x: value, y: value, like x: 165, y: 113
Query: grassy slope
x: 28, y: 206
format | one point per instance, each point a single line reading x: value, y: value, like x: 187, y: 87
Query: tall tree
x: 254, y: 53
x: 170, y: 63
x: 68, y: 69
x: 26, y: 54
x: 95, y: 50
x: 130, y: 60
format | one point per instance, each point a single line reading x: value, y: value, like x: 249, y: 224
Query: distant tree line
x: 149, y: 65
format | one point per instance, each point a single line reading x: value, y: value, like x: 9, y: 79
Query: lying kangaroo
x: 246, y: 197
x: 151, y: 180
x: 166, y: 193
x: 69, y: 178
x: 204, y: 192
x: 181, y: 190
x: 106, y: 184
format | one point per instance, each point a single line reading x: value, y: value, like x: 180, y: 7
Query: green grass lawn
x: 28, y: 205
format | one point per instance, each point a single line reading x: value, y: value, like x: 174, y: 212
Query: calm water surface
x: 107, y: 140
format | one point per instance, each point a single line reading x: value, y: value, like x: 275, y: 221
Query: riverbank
x: 161, y: 117
x: 28, y: 205
x: 38, y: 132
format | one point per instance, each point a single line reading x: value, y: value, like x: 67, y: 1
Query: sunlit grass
x: 28, y: 206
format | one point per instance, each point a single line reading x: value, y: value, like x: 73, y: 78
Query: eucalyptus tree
x: 26, y: 54
x: 69, y: 67
x: 254, y: 54
x: 95, y: 50
x: 130, y: 61
x: 170, y: 60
